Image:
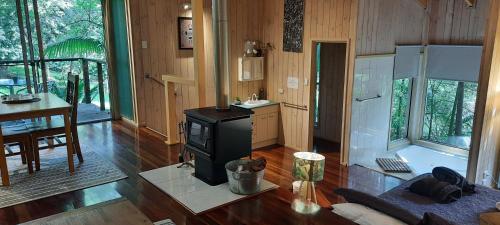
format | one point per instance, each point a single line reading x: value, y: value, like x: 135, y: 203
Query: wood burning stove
x: 217, y: 137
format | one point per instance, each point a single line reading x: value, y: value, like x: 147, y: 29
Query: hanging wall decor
x: 293, y: 28
x: 185, y: 32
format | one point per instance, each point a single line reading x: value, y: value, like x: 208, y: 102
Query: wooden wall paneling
x: 385, y: 23
x: 155, y: 22
x: 351, y: 55
x: 199, y: 58
x: 157, y: 25
x: 233, y: 41
x: 323, y: 20
x: 485, y: 151
x: 209, y: 60
x: 155, y: 36
x: 138, y: 59
x: 454, y: 22
x: 144, y: 28
x: 304, y: 125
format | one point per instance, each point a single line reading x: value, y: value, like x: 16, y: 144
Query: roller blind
x: 454, y: 62
x: 407, y: 61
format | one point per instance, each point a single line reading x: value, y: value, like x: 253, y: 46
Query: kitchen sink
x: 256, y: 102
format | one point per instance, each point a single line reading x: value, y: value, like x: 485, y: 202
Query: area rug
x: 54, y: 177
x: 192, y: 193
x: 165, y: 222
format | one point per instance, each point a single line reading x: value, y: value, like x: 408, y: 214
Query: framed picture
x: 185, y: 25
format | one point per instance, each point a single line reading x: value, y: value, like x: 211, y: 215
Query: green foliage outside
x: 400, y: 108
x: 448, y: 116
x: 449, y: 112
x: 70, y: 29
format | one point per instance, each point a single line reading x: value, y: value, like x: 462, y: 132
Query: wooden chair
x: 3, y: 163
x: 54, y: 127
x: 20, y: 136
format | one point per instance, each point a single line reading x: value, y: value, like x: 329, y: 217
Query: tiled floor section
x: 423, y: 160
x: 192, y: 193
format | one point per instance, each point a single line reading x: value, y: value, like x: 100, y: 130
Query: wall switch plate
x: 281, y: 91
x: 144, y: 44
x: 306, y: 81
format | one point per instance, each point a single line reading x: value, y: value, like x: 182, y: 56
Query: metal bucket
x: 244, y: 182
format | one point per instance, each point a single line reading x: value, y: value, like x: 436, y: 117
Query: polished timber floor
x: 136, y: 150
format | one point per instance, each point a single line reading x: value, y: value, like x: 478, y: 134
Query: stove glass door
x: 199, y: 135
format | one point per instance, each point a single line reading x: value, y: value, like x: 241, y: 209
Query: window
x: 400, y: 111
x: 449, y: 112
x: 316, y: 99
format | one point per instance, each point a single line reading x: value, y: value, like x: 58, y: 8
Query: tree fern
x: 75, y: 47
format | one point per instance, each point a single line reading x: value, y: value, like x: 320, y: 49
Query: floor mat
x: 393, y: 165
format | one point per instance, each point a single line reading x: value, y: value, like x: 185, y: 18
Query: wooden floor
x: 91, y: 112
x: 135, y: 150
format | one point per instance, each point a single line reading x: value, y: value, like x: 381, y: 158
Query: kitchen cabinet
x: 250, y: 68
x: 265, y: 121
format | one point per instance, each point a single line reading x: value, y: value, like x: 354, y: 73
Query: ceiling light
x: 186, y: 6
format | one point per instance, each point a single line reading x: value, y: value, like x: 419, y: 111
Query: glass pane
x: 10, y: 42
x: 316, y: 100
x: 449, y: 112
x: 12, y: 76
x: 400, y: 111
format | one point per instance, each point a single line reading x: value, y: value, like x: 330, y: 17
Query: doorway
x: 329, y: 82
x: 46, y: 40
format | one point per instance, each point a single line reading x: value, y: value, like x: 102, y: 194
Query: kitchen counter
x: 257, y: 106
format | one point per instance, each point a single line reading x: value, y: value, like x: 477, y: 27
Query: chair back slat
x: 72, y: 96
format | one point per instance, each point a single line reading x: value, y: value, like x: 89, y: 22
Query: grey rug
x: 165, y: 222
x: 54, y: 177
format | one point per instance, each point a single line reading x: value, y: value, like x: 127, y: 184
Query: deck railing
x: 85, y: 72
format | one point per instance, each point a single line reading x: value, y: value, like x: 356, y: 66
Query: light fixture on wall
x: 186, y: 6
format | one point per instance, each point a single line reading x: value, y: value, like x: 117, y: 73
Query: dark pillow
x: 450, y: 176
x: 439, y: 191
x: 433, y: 219
x: 378, y: 204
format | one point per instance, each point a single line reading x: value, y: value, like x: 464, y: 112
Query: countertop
x: 257, y: 106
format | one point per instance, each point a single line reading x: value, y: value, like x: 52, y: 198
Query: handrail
x: 147, y: 76
x: 370, y: 98
x: 7, y: 62
x: 295, y: 106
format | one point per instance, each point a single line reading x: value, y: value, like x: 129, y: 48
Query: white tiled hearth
x: 192, y: 193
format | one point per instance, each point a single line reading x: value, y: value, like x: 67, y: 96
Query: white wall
x: 371, y: 118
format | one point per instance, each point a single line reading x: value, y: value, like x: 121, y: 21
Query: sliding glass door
x: 41, y: 41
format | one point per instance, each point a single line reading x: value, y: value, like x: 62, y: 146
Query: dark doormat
x: 393, y: 165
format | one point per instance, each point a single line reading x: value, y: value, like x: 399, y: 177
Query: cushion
x: 440, y: 191
x: 450, y: 176
x: 378, y: 204
x: 433, y: 219
x: 363, y: 215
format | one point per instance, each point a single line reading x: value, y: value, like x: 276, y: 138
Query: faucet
x: 256, y: 98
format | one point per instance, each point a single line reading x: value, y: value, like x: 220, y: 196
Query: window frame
x: 443, y: 147
x: 416, y: 117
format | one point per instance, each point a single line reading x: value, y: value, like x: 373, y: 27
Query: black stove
x: 217, y: 137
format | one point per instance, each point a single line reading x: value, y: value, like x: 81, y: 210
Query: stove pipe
x: 221, y: 54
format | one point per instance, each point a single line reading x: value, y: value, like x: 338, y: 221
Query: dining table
x: 49, y: 105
